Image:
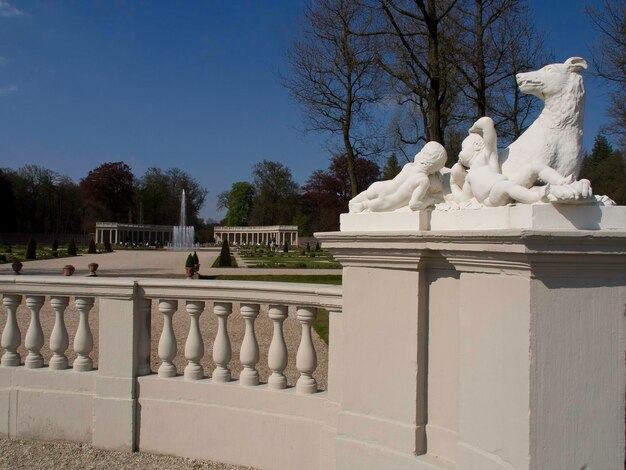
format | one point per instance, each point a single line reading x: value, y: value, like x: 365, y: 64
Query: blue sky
x: 190, y: 84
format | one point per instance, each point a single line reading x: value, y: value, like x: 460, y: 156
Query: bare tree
x: 411, y: 44
x: 496, y: 39
x: 333, y: 76
x: 609, y: 59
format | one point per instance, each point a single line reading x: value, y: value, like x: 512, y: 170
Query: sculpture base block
x: 522, y: 216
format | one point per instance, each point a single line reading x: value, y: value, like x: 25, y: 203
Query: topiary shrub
x: 308, y: 247
x: 92, y: 246
x: 196, y: 260
x: 189, y: 263
x: 317, y: 247
x: 107, y: 246
x: 71, y: 248
x: 31, y: 250
x: 225, y: 261
x: 285, y: 248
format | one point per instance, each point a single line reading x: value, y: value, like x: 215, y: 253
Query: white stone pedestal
x: 521, y: 216
x: 482, y: 349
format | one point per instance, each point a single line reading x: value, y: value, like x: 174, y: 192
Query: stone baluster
x: 221, y: 346
x: 249, y: 354
x: 34, y: 335
x: 11, y: 337
x: 145, y: 312
x: 167, y: 342
x: 194, y: 347
x: 59, y: 339
x: 83, y: 341
x: 277, y: 355
x: 306, y: 359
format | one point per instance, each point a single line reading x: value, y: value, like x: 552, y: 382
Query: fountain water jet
x: 184, y: 235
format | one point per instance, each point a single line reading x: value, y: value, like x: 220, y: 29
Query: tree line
x: 39, y: 200
x: 381, y: 76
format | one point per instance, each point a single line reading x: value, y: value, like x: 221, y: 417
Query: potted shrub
x: 17, y: 267
x: 189, y: 267
x: 68, y: 270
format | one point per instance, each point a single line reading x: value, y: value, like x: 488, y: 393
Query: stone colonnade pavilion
x: 133, y: 233
x: 264, y: 235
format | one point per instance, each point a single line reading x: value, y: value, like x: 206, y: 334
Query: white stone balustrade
x: 11, y: 337
x: 249, y: 354
x: 306, y: 359
x: 222, y: 350
x: 194, y: 347
x: 83, y: 341
x: 34, y: 340
x: 277, y: 355
x: 59, y: 339
x: 167, y: 342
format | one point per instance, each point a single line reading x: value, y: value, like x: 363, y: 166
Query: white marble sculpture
x: 483, y: 180
x: 540, y: 166
x: 417, y: 186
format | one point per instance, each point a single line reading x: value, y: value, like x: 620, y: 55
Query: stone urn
x: 189, y: 271
x: 68, y: 270
x: 93, y: 267
x: 17, y: 267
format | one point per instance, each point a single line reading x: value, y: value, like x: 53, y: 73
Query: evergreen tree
x: 308, y: 247
x: 107, y: 246
x: 317, y: 246
x: 189, y: 263
x: 71, y: 248
x: 55, y: 248
x: 286, y: 248
x: 606, y: 170
x: 196, y: 260
x: 31, y: 250
x: 92, y: 246
x: 225, y: 261
x: 392, y: 168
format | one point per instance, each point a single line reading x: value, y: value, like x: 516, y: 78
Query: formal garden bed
x: 304, y: 258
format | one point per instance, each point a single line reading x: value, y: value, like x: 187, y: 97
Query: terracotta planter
x: 68, y: 270
x: 17, y: 267
x: 93, y: 267
x: 189, y: 272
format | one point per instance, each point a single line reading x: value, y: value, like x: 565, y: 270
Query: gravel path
x: 17, y: 453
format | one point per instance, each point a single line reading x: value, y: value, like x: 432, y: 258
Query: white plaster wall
x: 47, y: 405
x: 230, y: 423
x: 443, y: 364
x: 577, y: 393
x: 382, y: 403
x: 494, y: 372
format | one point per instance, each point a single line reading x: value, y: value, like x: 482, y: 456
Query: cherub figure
x: 482, y: 180
x: 417, y: 186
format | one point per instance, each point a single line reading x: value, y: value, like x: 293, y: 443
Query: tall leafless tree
x: 609, y: 59
x: 334, y: 78
x: 496, y: 39
x: 411, y: 43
